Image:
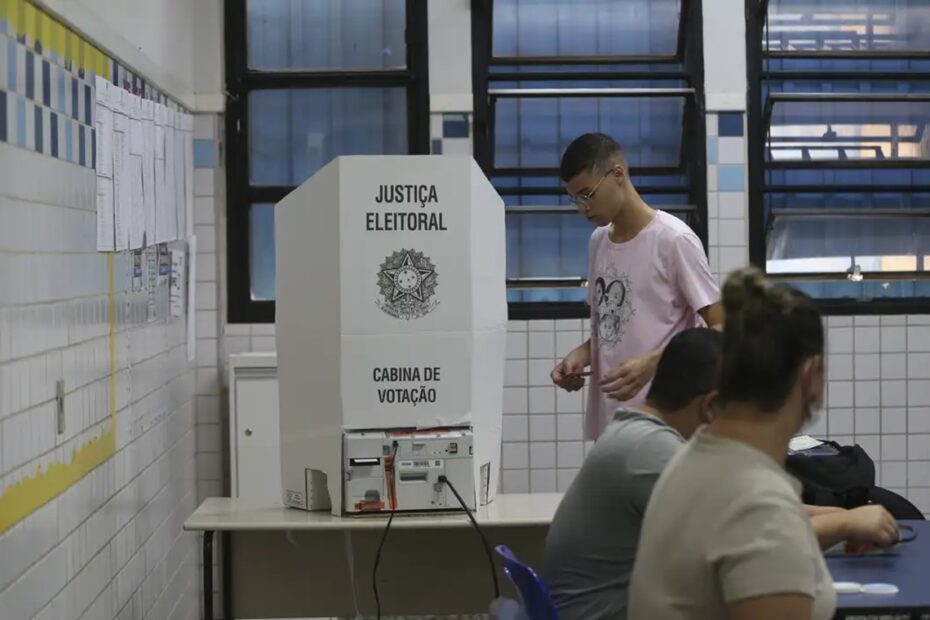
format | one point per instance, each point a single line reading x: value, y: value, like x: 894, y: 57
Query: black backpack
x: 833, y: 475
x: 844, y: 476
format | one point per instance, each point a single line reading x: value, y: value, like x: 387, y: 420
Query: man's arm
x: 814, y: 511
x: 866, y: 526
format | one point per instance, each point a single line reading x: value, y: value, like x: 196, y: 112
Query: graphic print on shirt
x: 613, y: 305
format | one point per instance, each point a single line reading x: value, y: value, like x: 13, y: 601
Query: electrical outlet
x: 60, y: 405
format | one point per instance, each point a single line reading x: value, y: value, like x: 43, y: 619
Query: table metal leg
x: 208, y: 575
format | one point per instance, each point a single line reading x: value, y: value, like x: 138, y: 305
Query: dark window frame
x: 757, y: 114
x: 688, y: 54
x: 240, y: 81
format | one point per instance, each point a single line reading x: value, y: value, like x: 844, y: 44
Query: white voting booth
x: 391, y: 329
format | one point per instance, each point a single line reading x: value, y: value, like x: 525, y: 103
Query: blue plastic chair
x: 533, y: 592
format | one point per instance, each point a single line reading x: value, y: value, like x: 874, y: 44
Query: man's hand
x: 870, y: 526
x: 567, y: 373
x: 627, y: 379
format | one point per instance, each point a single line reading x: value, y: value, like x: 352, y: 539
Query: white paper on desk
x: 122, y: 181
x: 105, y: 215
x: 178, y: 277
x: 191, y: 301
x: 148, y: 170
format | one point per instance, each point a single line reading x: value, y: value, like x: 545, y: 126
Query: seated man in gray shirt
x: 592, y: 541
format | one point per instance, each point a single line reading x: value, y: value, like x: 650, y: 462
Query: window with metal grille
x: 547, y: 72
x: 308, y: 81
x: 839, y: 149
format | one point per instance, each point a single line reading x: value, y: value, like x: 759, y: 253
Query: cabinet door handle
x: 248, y: 432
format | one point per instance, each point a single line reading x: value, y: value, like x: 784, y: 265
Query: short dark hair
x: 689, y: 367
x: 769, y: 331
x: 587, y: 153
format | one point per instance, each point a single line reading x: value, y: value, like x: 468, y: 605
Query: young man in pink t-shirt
x: 648, y: 279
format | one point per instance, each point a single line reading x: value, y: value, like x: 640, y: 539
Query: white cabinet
x: 255, y: 455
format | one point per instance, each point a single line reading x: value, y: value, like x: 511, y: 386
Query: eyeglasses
x: 585, y: 199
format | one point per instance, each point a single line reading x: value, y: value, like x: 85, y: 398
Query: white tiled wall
x: 111, y: 546
x: 878, y: 396
x: 210, y: 421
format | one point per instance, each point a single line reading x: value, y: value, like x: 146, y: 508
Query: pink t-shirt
x: 642, y: 292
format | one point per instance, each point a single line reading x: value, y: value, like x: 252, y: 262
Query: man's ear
x: 813, y: 377
x: 618, y: 174
x: 706, y: 408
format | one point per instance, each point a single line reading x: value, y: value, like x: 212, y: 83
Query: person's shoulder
x: 644, y: 431
x: 599, y: 233
x: 673, y: 228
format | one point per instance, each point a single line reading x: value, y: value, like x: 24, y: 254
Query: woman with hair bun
x: 725, y: 534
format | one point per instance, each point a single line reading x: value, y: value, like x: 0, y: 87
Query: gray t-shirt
x: 592, y: 541
x: 725, y: 524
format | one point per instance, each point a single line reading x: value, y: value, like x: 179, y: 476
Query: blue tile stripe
x: 204, y: 154
x: 47, y: 102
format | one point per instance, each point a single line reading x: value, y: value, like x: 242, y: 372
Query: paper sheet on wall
x: 178, y: 278
x: 148, y: 169
x: 136, y: 149
x: 170, y: 191
x: 191, y: 298
x: 103, y: 124
x: 179, y: 167
x: 105, y: 215
x: 151, y: 281
x: 137, y: 275
x: 189, y: 172
x: 162, y: 221
x: 122, y: 181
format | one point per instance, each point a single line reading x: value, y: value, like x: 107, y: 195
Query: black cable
x: 487, y: 547
x: 392, y: 502
x: 910, y: 531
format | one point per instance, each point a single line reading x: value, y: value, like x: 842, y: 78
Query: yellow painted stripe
x: 19, y: 11
x: 6, y: 11
x: 45, y: 29
x: 28, y: 495
x: 29, y: 23
x: 58, y: 38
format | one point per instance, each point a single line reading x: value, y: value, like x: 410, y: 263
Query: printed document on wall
x: 136, y: 149
x: 122, y: 181
x: 171, y: 196
x: 103, y: 125
x: 148, y: 169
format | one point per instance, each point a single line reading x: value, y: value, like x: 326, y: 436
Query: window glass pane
x: 326, y: 34
x: 547, y: 246
x: 293, y: 133
x: 585, y: 27
x: 574, y: 294
x: 848, y: 25
x: 533, y: 132
x: 865, y: 290
x: 829, y: 130
x: 827, y: 178
x: 847, y: 200
x: 261, y: 252
x: 837, y: 243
